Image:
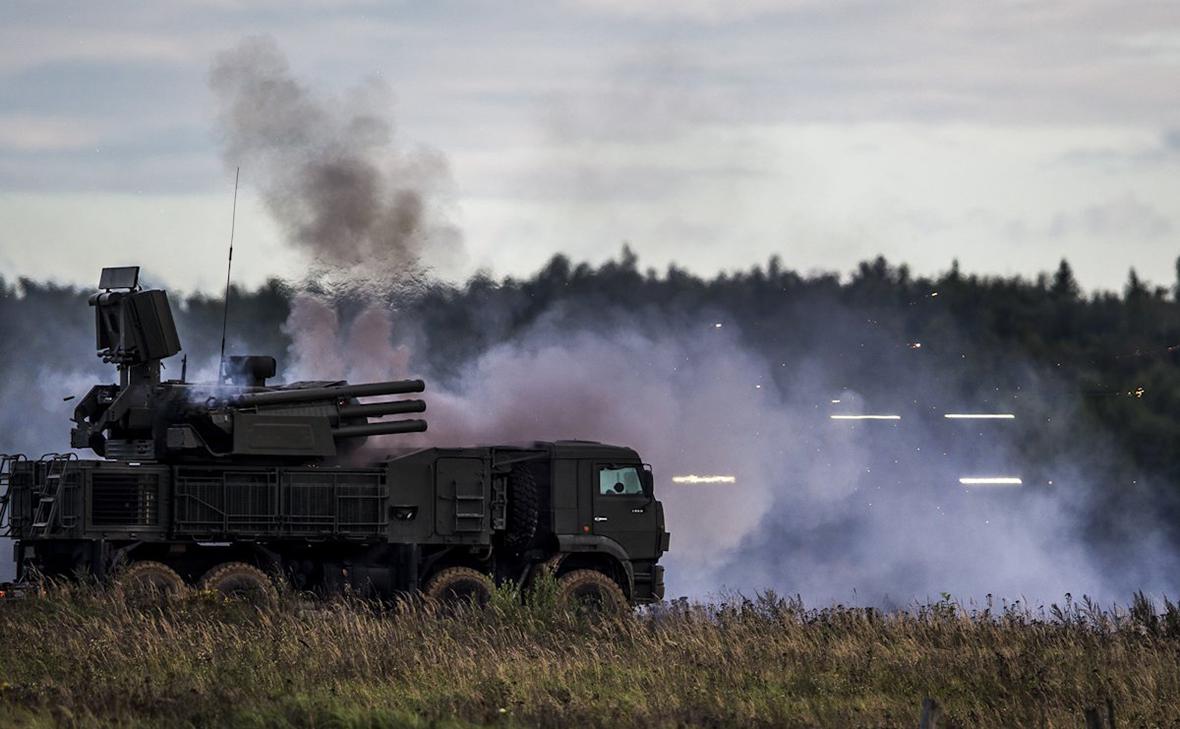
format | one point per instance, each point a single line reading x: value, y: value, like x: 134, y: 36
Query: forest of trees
x: 1069, y: 361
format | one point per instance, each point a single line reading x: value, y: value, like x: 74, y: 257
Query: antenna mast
x: 228, y: 267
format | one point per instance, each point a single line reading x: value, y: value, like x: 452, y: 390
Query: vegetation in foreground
x: 84, y: 657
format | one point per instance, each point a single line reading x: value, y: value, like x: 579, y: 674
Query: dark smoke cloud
x: 369, y: 215
x: 364, y: 210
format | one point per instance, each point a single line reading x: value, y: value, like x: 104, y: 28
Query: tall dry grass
x: 81, y: 656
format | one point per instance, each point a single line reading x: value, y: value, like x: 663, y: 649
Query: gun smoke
x: 329, y: 170
x: 368, y: 214
x: 825, y: 509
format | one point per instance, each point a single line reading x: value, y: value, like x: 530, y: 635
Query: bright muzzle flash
x: 980, y: 416
x: 990, y: 481
x: 693, y: 478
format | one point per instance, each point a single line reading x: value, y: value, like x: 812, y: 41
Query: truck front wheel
x: 458, y: 585
x: 590, y: 591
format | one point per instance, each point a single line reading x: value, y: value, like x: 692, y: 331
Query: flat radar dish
x: 119, y: 277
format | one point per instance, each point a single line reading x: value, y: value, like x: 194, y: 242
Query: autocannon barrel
x: 308, y: 394
x: 375, y: 409
x: 389, y: 428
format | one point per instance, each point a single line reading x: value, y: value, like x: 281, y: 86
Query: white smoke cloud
x: 870, y: 512
x: 829, y: 510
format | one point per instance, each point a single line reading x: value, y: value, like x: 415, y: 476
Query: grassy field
x: 83, y: 657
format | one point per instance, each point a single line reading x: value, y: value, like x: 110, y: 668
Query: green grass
x: 82, y: 657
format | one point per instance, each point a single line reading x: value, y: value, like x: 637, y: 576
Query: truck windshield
x: 621, y: 481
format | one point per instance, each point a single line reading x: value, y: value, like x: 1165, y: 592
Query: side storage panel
x: 462, y: 490
x: 411, y: 498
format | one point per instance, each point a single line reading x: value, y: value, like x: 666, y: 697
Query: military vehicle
x: 237, y: 484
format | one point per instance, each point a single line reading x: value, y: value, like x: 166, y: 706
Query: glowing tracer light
x: 865, y: 417
x: 990, y: 481
x: 693, y: 478
x: 980, y: 416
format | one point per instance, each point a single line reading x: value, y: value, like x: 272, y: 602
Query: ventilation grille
x: 311, y: 502
x: 124, y: 499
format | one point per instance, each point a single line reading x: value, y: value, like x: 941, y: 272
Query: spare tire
x: 459, y: 585
x: 523, y: 510
x: 147, y: 578
x: 240, y: 581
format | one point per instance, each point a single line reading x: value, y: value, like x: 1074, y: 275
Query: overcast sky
x: 712, y: 134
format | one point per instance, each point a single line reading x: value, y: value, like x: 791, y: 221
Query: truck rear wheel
x: 149, y: 578
x: 457, y: 585
x: 240, y: 581
x: 590, y: 591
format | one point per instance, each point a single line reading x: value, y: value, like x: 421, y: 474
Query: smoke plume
x: 369, y: 215
x: 364, y: 210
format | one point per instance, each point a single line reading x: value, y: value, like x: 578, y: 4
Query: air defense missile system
x: 239, y: 484
x: 238, y: 419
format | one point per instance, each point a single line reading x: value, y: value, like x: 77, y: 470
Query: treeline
x: 1117, y: 353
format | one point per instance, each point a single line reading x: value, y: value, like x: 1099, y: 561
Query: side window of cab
x: 619, y: 481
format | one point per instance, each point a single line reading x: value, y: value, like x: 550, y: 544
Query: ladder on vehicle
x: 7, y: 462
x: 469, y: 506
x: 47, y: 512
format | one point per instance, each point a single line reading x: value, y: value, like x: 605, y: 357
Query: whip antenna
x: 228, y: 267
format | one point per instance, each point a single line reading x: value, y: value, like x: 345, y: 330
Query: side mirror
x: 649, y: 483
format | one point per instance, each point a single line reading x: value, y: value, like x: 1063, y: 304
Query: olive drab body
x: 215, y: 484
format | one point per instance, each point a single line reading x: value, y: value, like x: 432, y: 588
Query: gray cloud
x: 1124, y: 217
x: 1162, y: 148
x: 644, y: 103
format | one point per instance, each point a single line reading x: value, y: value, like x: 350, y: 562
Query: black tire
x: 591, y: 591
x: 146, y: 579
x: 523, y: 510
x: 459, y: 585
x: 240, y: 581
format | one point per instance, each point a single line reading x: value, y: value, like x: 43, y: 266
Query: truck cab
x: 605, y: 515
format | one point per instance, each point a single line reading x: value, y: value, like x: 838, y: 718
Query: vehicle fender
x: 567, y: 543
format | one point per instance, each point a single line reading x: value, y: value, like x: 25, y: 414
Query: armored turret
x: 239, y: 419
